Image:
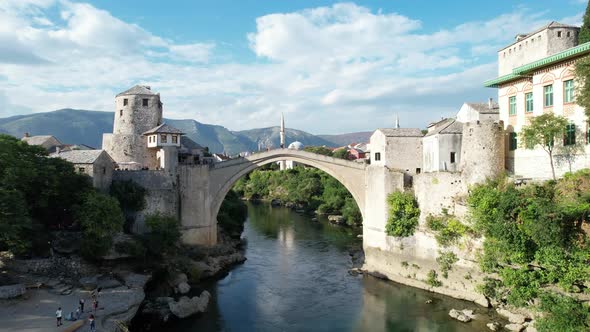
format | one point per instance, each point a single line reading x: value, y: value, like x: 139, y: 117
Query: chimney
x: 490, y: 103
x: 27, y: 135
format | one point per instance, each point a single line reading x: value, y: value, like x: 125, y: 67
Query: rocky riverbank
x: 125, y: 287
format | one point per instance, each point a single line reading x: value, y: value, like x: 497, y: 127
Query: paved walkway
x: 36, y: 312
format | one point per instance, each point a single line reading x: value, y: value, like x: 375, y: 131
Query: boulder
x: 494, y: 326
x: 12, y: 291
x: 336, y: 219
x: 89, y: 283
x: 186, y: 306
x: 514, y: 327
x: 107, y: 283
x: 512, y: 317
x: 178, y: 279
x: 134, y: 280
x: 183, y: 288
x: 530, y: 328
x: 461, y: 315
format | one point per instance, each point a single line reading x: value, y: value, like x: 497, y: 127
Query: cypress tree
x: 583, y: 67
x: 584, y: 35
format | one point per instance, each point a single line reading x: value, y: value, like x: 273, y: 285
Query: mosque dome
x: 296, y: 146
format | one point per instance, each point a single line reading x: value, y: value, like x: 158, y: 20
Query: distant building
x: 190, y: 151
x: 95, y: 163
x: 536, y: 76
x: 290, y: 164
x: 46, y: 141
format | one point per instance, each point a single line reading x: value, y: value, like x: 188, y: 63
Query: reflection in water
x: 296, y: 279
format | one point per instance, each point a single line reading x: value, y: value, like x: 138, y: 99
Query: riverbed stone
x: 12, y: 291
x: 494, y: 326
x: 514, y: 327
x: 134, y: 280
x: 183, y: 288
x: 186, y: 306
x: 89, y: 283
x: 461, y: 315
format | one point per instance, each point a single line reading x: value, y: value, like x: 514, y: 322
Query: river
x: 296, y: 279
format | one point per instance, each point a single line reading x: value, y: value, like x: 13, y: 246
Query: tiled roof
x: 401, y: 132
x: 163, y: 129
x: 79, y: 156
x: 137, y: 90
x: 447, y: 126
x: 485, y: 107
x: 38, y: 140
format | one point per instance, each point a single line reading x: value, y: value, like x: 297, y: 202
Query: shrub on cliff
x: 232, y: 214
x: 163, y: 235
x: 563, y: 313
x: 403, y: 214
x: 100, y: 218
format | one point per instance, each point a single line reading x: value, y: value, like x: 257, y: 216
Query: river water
x: 296, y: 279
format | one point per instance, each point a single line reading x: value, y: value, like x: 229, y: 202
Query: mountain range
x: 73, y: 126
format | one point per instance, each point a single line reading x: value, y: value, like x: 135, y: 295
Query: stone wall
x: 124, y: 148
x: 198, y: 223
x: 162, y: 194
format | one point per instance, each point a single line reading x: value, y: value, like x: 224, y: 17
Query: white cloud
x: 330, y: 69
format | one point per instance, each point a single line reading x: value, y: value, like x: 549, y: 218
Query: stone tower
x: 137, y: 110
x: 482, y: 150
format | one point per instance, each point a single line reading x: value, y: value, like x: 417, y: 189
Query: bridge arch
x: 224, y: 175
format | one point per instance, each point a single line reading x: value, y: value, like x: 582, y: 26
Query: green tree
x: 232, y: 214
x: 100, y: 218
x: 582, y: 70
x: 163, y: 234
x: 584, y: 35
x: 15, y: 224
x: 131, y: 196
x: 568, y: 154
x: 341, y: 153
x: 403, y: 214
x: 319, y: 150
x: 543, y: 131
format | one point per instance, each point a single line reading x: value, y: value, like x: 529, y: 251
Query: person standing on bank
x: 92, y: 323
x: 58, y: 315
x: 81, y: 304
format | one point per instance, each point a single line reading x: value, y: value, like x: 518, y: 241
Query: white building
x: 536, y: 76
x: 442, y: 146
x: 397, y: 148
x: 165, y: 140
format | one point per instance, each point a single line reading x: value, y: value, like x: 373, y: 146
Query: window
x: 377, y: 156
x: 125, y: 101
x: 528, y: 97
x: 568, y: 34
x: 558, y: 34
x: 513, y: 142
x: 548, y: 91
x: 174, y: 139
x: 512, y: 108
x: 568, y: 91
x: 104, y: 170
x: 164, y: 138
x: 120, y: 112
x: 418, y: 170
x: 145, y: 102
x: 452, y: 157
x: 81, y: 169
x: 570, y: 135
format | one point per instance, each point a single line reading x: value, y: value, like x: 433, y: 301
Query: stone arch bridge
x: 202, y: 189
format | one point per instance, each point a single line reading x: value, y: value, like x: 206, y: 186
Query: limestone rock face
x: 12, y: 291
x: 512, y: 317
x: 186, y: 306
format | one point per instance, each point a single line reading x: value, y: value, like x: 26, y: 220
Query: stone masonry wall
x: 162, y: 194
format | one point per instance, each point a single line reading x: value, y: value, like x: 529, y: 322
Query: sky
x: 330, y: 67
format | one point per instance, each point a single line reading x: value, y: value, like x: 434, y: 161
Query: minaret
x: 282, y: 131
x: 396, y: 121
x: 282, y: 163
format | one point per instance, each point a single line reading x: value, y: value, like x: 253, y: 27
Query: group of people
x: 74, y: 316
